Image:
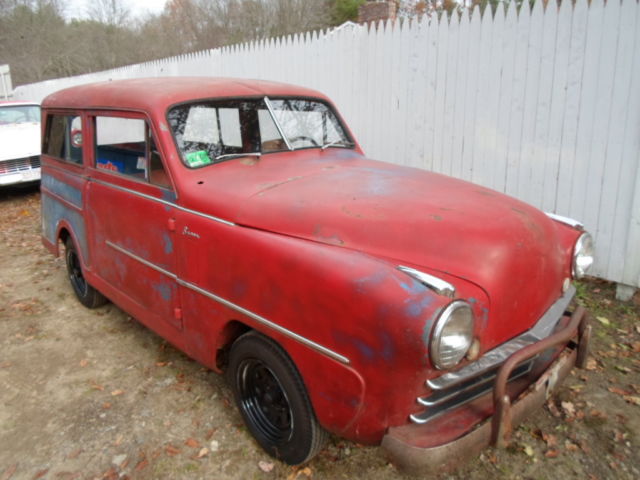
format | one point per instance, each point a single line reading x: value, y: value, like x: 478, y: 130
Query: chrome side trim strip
x: 566, y: 220
x: 436, y: 284
x: 142, y: 260
x: 237, y: 308
x: 163, y: 202
x: 267, y: 323
x: 542, y: 329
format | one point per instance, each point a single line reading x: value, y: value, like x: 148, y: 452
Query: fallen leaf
x: 622, y: 369
x: 203, y: 452
x: 8, y: 473
x: 604, y: 320
x: 40, y: 474
x: 142, y: 464
x: 171, y: 450
x: 96, y: 386
x: 550, y: 440
x: 528, y: 450
x: 305, y: 471
x: 84, y: 362
x: 162, y: 364
x: 597, y: 414
x: 214, y: 445
x: 569, y: 409
x: 572, y: 447
x: 619, y: 391
x: 106, y: 405
x: 118, y: 441
x: 5, y: 364
x: 551, y: 453
x: 553, y: 409
x: 576, y: 388
x: 633, y: 400
x: 265, y: 466
x: 192, y: 442
x: 592, y: 364
x: 115, y: 393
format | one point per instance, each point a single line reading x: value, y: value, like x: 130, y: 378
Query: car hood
x: 417, y: 218
x: 19, y: 140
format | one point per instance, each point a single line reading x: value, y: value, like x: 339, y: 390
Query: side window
x: 63, y: 139
x: 127, y: 146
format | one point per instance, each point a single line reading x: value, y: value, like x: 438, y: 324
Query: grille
x: 442, y: 401
x: 19, y: 165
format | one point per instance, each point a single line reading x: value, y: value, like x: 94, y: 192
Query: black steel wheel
x: 87, y: 295
x: 273, y: 400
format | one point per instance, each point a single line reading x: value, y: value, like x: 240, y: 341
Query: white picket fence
x: 542, y: 104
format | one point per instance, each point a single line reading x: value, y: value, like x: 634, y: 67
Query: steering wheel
x: 304, y: 138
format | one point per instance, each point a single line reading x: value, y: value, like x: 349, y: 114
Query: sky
x: 78, y: 8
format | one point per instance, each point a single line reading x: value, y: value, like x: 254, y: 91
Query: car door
x: 132, y: 203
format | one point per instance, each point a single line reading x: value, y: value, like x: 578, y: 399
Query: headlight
x: 582, y: 256
x: 452, y: 335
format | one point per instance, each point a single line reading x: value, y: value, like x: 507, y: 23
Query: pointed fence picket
x: 542, y: 103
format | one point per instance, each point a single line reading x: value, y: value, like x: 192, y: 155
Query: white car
x: 19, y: 142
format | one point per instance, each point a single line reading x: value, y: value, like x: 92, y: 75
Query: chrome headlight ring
x: 452, y: 335
x: 583, y: 256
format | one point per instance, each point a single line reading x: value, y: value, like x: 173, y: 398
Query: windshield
x: 215, y: 131
x: 19, y: 114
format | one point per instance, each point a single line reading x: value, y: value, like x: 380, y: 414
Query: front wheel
x: 88, y: 296
x: 273, y: 400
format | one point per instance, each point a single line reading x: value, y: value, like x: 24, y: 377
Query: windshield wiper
x: 338, y: 143
x: 228, y: 156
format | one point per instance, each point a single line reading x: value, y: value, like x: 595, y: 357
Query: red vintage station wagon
x: 241, y: 221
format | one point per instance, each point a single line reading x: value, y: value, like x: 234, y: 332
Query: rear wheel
x: 273, y: 400
x: 88, y: 296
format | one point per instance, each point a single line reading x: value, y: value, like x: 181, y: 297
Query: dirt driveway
x: 93, y: 394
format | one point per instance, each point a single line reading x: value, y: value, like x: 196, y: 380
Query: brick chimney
x: 374, y: 11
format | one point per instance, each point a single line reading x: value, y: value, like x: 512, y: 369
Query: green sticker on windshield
x: 197, y: 159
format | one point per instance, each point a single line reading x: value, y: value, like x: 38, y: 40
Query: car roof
x: 157, y: 94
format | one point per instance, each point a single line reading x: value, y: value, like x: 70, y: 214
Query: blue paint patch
x: 238, y: 289
x: 168, y: 196
x: 53, y: 212
x: 62, y: 189
x: 167, y: 243
x: 164, y: 290
x: 377, y: 278
x: 366, y: 351
x: 416, y: 307
x: 388, y: 350
x: 413, y: 288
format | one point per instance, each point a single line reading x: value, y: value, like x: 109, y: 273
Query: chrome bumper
x: 400, y: 444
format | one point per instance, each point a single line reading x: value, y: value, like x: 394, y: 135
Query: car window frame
x: 46, y: 114
x: 92, y: 114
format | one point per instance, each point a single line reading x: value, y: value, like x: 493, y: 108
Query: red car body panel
x: 308, y: 240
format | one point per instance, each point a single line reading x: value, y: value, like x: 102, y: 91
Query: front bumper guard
x: 497, y: 430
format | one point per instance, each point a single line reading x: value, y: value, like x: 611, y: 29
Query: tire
x: 88, y: 296
x: 273, y: 400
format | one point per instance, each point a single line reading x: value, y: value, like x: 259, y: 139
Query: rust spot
x: 269, y: 186
x: 486, y: 193
x: 163, y: 127
x: 350, y: 213
x: 249, y: 161
x: 521, y: 212
x: 437, y: 218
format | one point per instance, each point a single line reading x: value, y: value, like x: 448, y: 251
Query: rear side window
x: 126, y: 146
x: 63, y: 138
